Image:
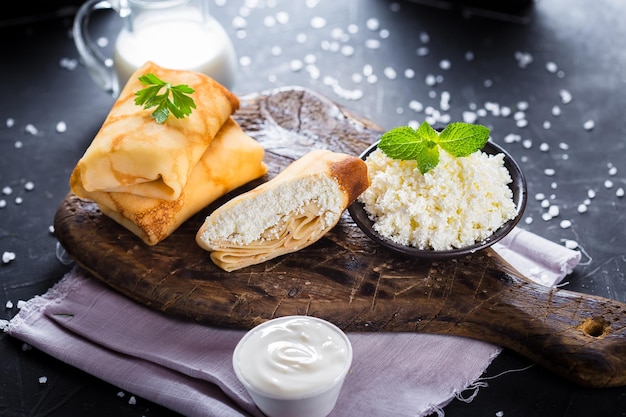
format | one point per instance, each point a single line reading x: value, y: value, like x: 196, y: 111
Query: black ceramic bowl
x: 518, y: 187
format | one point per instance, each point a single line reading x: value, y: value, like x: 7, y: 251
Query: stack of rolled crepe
x: 288, y: 213
x: 151, y: 177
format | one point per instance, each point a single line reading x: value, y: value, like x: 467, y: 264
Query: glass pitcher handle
x: 100, y: 68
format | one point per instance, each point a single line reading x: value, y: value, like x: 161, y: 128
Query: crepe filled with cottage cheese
x: 151, y: 177
x: 134, y: 154
x: 288, y: 213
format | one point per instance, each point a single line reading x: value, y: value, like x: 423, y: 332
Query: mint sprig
x: 180, y: 106
x: 422, y: 145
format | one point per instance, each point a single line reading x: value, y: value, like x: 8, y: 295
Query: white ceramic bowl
x: 293, y: 366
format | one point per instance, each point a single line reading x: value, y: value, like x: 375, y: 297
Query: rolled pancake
x: 132, y: 153
x: 232, y: 159
x: 290, y: 212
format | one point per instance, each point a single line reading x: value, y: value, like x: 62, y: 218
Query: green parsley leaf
x: 422, y: 145
x: 149, y: 97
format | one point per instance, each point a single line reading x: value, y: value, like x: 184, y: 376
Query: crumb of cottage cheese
x: 458, y: 203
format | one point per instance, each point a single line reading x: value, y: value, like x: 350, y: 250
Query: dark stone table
x: 549, y: 79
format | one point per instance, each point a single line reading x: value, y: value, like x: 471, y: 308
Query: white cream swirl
x: 293, y: 356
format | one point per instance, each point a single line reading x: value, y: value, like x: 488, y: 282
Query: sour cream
x: 293, y: 357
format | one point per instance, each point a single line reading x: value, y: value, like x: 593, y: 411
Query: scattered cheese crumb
x: 566, y: 96
x: 512, y: 138
x: 469, y: 117
x: 43, y: 379
x: 31, y: 129
x: 132, y: 400
x: 441, y: 211
x: 8, y: 257
x: 9, y: 305
x: 68, y: 63
x: 554, y: 211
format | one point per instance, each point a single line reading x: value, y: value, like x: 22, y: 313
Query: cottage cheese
x: 456, y: 204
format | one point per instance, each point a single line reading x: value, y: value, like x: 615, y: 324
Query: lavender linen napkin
x: 186, y: 366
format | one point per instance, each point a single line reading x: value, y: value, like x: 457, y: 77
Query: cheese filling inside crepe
x: 132, y: 153
x: 288, y: 213
x: 232, y: 159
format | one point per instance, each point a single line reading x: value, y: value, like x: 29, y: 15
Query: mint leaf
x: 426, y: 131
x: 406, y: 143
x: 402, y: 143
x: 428, y: 158
x: 463, y: 139
x: 422, y: 145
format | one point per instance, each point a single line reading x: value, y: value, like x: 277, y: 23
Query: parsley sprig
x: 149, y: 97
x: 422, y: 145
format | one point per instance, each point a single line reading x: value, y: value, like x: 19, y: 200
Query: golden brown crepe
x: 232, y: 159
x: 132, y: 153
x: 285, y: 214
x: 151, y: 177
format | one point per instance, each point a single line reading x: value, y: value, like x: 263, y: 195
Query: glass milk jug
x: 176, y: 34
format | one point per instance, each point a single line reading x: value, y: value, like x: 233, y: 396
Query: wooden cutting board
x: 345, y: 277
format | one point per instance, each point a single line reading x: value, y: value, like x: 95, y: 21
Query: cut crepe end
x: 288, y: 213
x: 270, y: 214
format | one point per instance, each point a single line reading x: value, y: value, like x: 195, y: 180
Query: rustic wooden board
x: 345, y: 277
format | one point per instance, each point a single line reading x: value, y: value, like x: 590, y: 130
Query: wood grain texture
x: 345, y: 277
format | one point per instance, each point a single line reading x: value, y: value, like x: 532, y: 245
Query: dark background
x: 514, y: 45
